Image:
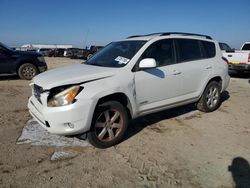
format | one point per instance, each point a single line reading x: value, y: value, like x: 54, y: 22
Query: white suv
x: 127, y: 79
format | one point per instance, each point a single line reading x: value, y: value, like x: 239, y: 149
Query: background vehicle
x: 44, y: 51
x: 128, y: 79
x: 24, y: 64
x: 88, y: 53
x: 225, y: 47
x: 59, y: 52
x: 74, y: 53
x: 238, y: 60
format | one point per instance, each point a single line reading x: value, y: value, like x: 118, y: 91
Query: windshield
x: 246, y: 46
x: 5, y: 47
x: 116, y: 54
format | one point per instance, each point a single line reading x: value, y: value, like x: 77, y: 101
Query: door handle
x: 208, y: 67
x: 176, y: 72
x: 230, y: 56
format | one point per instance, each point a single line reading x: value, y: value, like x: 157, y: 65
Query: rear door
x: 194, y: 65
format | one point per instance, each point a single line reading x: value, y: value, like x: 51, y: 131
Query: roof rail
x: 172, y: 33
x: 133, y: 36
x: 188, y: 34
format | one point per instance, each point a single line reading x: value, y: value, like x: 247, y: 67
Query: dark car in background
x: 78, y: 53
x: 44, y: 51
x: 73, y: 53
x: 59, y: 52
x: 88, y: 53
x: 25, y: 64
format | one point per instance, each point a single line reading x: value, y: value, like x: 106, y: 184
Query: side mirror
x: 147, y: 63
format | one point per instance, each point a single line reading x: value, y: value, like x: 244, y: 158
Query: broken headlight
x: 62, y: 96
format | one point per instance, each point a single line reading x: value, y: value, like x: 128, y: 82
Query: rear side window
x: 189, y: 50
x: 246, y: 47
x: 209, y: 48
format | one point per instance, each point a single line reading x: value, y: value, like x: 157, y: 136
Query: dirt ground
x: 181, y: 147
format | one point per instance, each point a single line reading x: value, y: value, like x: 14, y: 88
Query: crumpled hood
x: 72, y: 74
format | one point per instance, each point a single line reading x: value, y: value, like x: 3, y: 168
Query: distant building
x: 47, y: 46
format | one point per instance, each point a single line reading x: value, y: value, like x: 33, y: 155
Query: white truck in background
x: 238, y: 60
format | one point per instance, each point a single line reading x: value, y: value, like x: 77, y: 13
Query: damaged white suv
x: 127, y: 79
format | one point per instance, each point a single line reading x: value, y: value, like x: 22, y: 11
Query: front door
x: 158, y: 86
x: 4, y: 61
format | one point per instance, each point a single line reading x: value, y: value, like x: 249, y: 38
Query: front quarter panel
x: 120, y: 83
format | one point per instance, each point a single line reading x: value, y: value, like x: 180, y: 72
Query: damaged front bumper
x: 65, y: 120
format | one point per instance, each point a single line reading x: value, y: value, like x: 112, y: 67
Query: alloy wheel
x: 212, y: 97
x: 28, y: 72
x: 108, y: 125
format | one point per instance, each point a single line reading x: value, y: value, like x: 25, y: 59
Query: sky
x: 98, y: 22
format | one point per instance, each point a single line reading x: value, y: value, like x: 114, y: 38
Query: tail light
x: 249, y: 57
x: 225, y: 59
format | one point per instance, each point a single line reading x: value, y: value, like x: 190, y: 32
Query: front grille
x: 37, y: 90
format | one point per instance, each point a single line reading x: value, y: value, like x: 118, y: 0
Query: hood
x: 26, y: 53
x: 72, y: 74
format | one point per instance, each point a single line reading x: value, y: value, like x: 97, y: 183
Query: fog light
x: 70, y: 125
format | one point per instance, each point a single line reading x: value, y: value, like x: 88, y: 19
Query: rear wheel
x: 27, y: 71
x: 211, y: 98
x: 109, y: 124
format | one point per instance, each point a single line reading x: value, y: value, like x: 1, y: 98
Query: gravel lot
x: 181, y: 147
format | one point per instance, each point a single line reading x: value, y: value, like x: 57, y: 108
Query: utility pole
x: 86, y: 37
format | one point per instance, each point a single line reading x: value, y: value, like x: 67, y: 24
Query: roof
x: 180, y: 34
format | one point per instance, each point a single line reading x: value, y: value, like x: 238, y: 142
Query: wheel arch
x: 21, y: 62
x: 120, y: 97
x: 218, y: 79
x: 215, y: 78
x: 201, y: 105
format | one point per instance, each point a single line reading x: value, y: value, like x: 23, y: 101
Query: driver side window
x: 2, y: 53
x: 162, y: 51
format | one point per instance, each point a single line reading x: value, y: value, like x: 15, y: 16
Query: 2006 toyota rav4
x: 127, y: 79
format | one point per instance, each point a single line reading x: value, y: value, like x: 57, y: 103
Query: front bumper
x: 239, y: 67
x: 66, y: 120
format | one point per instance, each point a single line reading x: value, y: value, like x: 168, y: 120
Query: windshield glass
x: 246, y: 46
x: 3, y: 46
x: 116, y: 54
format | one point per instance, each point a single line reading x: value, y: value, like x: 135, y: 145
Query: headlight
x: 64, y: 97
x: 41, y: 59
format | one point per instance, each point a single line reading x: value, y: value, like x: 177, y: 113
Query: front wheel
x: 211, y: 98
x: 109, y: 124
x: 27, y: 71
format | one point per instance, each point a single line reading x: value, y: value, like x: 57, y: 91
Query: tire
x: 89, y: 56
x: 211, y: 98
x: 27, y: 71
x: 109, y: 124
